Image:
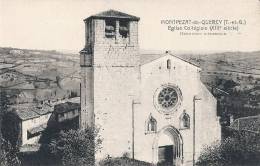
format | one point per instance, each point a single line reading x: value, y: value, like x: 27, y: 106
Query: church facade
x: 152, y: 107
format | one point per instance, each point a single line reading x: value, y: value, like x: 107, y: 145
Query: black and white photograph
x: 129, y: 83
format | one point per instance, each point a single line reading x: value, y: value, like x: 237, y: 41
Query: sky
x: 58, y: 24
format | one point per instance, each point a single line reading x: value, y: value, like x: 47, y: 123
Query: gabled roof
x: 28, y: 111
x: 26, y: 114
x: 66, y: 107
x: 114, y: 14
x: 147, y: 58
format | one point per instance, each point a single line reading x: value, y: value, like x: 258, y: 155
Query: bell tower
x: 110, y: 69
x: 109, y: 35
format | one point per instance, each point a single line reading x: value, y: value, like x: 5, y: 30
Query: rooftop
x: 149, y: 57
x: 66, y: 107
x: 114, y: 14
x: 30, y: 110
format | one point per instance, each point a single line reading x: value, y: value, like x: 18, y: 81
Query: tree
x: 3, y: 106
x: 10, y: 128
x: 8, y: 154
x: 76, y: 147
x: 241, y: 149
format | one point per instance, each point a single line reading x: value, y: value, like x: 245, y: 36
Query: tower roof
x: 114, y: 14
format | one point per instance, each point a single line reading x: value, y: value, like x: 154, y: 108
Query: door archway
x: 168, y: 146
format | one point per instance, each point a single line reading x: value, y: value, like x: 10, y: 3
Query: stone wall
x: 115, y: 84
x: 116, y: 52
x: 187, y: 78
x: 32, y: 123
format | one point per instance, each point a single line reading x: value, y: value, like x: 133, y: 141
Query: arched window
x: 151, y: 125
x: 110, y: 28
x: 168, y: 64
x: 124, y: 28
x: 184, y: 121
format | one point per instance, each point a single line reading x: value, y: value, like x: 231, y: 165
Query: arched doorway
x: 168, y: 146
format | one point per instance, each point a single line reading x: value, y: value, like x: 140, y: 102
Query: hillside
x: 234, y: 78
x: 36, y: 75
x: 236, y: 65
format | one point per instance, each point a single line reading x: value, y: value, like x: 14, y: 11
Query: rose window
x: 167, y: 97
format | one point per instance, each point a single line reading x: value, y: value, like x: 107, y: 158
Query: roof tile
x: 30, y: 110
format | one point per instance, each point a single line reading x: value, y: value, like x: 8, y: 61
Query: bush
x: 8, y: 154
x: 76, y: 147
x: 242, y: 149
x: 10, y: 128
x: 125, y: 161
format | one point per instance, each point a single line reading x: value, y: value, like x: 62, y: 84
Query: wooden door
x: 165, y: 154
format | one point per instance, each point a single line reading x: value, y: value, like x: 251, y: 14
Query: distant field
x: 228, y: 65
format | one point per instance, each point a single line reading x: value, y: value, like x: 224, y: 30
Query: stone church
x: 152, y: 107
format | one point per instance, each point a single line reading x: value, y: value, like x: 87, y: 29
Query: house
x: 30, y: 120
x: 66, y: 111
x: 26, y: 123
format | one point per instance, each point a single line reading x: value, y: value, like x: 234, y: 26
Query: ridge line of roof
x: 183, y: 59
x: 167, y: 53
